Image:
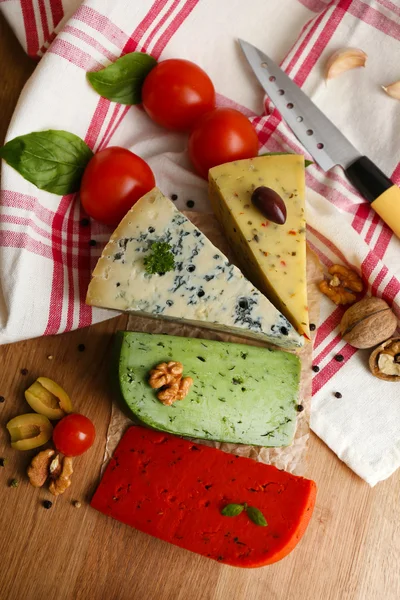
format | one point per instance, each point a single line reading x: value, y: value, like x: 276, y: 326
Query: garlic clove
x: 343, y: 60
x: 393, y: 90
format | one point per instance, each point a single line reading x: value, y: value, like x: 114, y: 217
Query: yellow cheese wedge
x: 272, y: 256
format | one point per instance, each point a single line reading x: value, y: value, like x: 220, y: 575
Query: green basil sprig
x: 307, y: 163
x: 122, y: 80
x: 53, y: 160
x: 232, y: 510
x: 255, y: 515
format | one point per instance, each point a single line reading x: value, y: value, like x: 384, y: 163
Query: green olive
x: 47, y: 398
x: 29, y: 431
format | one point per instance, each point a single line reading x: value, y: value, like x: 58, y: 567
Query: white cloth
x: 45, y: 256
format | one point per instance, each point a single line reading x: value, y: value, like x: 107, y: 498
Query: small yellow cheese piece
x: 273, y: 256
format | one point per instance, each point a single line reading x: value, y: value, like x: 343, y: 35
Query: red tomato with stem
x: 114, y: 179
x: 176, y: 93
x: 220, y: 136
x: 74, y: 434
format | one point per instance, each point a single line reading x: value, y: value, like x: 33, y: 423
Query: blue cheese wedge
x: 203, y: 289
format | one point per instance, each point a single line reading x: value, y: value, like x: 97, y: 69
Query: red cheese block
x: 175, y: 490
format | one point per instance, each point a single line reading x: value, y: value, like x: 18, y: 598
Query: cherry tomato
x: 113, y: 181
x: 74, y: 434
x: 176, y: 93
x: 220, y: 136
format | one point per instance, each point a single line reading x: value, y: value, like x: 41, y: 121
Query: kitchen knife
x: 323, y: 140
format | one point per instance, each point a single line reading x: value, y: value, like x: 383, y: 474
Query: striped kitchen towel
x: 48, y: 248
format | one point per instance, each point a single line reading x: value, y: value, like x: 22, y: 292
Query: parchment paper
x: 291, y: 458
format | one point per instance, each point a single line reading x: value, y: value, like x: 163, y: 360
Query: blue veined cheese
x: 204, y: 288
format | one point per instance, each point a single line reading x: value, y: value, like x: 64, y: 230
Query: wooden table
x: 350, y: 551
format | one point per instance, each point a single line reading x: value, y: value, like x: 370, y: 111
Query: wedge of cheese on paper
x: 272, y: 256
x: 203, y: 289
x: 241, y: 394
x: 175, y: 490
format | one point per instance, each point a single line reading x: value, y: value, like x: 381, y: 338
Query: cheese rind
x: 204, y: 289
x: 273, y: 256
x: 240, y: 394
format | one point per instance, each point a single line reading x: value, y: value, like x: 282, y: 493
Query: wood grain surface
x: 350, y: 551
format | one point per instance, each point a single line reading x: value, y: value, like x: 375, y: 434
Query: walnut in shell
x: 368, y: 323
x: 384, y: 361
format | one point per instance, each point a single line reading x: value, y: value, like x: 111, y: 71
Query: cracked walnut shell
x: 368, y: 323
x: 384, y: 361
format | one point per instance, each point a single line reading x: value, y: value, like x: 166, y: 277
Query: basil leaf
x: 52, y: 160
x: 275, y: 153
x: 122, y: 81
x: 307, y: 163
x: 256, y: 516
x: 232, y: 510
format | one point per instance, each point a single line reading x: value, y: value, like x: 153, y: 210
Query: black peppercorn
x: 174, y: 197
x: 92, y: 243
x: 47, y: 504
x: 24, y: 371
x: 3, y: 462
x: 312, y: 327
x: 315, y: 368
x: 190, y: 203
x: 338, y: 395
x: 81, y: 347
x: 84, y: 222
x: 339, y: 357
x: 2, y: 399
x: 284, y: 331
x: 300, y: 408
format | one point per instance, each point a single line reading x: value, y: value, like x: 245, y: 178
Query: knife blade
x: 323, y: 140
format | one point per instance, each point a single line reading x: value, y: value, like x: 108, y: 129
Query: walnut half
x: 165, y: 374
x: 176, y: 391
x: 342, y: 285
x: 38, y: 470
x: 62, y: 480
x: 168, y: 377
x: 384, y: 361
x: 58, y: 468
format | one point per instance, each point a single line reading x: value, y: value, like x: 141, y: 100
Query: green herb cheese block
x: 240, y: 394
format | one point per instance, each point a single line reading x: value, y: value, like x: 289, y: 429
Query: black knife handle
x: 367, y: 178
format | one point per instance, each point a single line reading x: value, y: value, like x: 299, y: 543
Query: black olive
x: 270, y: 204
